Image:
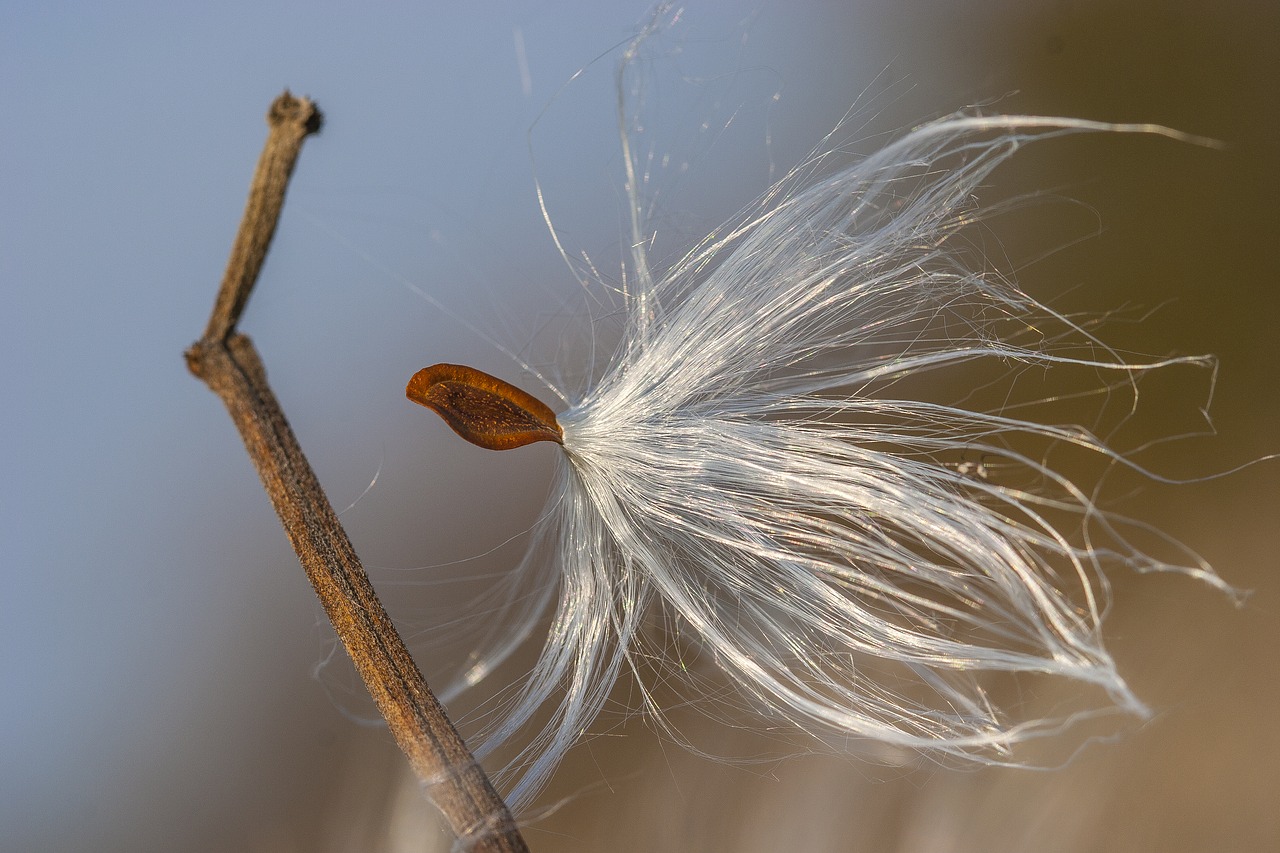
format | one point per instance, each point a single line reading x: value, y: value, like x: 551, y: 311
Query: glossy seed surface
x: 483, y: 409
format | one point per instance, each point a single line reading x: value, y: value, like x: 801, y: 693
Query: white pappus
x: 756, y: 468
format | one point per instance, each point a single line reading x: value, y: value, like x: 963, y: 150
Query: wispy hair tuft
x: 771, y: 466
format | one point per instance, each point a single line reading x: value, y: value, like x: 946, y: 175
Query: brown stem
x: 229, y: 364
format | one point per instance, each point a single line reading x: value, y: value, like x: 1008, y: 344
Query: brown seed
x: 482, y: 408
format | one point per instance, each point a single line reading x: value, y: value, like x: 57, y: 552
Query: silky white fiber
x: 758, y: 472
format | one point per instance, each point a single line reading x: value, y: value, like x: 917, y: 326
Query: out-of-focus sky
x: 158, y: 642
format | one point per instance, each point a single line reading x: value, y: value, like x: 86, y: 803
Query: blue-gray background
x: 157, y: 638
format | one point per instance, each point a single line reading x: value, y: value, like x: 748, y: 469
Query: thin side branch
x: 291, y: 121
x: 229, y: 364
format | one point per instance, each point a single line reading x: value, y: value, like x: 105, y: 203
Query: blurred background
x: 167, y: 680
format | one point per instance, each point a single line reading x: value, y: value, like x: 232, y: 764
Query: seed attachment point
x: 483, y: 409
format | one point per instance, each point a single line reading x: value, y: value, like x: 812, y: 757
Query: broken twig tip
x: 288, y: 108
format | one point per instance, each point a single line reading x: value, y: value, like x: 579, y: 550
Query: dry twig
x: 229, y: 364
